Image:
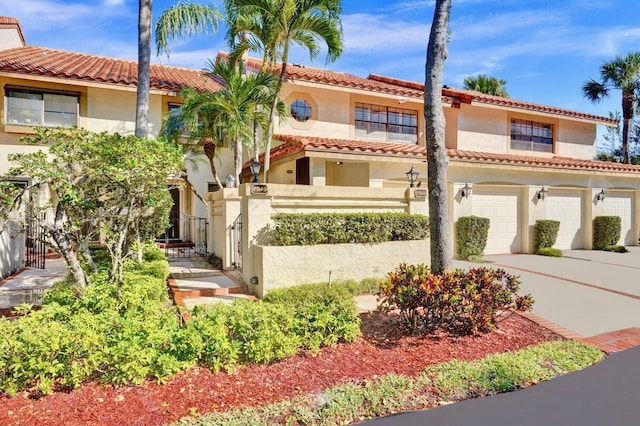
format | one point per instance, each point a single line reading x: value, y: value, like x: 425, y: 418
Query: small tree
x: 115, y: 183
x: 487, y: 84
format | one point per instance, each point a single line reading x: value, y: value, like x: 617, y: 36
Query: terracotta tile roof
x: 468, y: 96
x: 319, y: 75
x: 9, y: 22
x: 80, y: 66
x: 302, y: 144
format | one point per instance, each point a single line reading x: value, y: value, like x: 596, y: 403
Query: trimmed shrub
x: 291, y: 229
x: 459, y: 301
x: 471, y: 237
x: 606, y: 231
x: 549, y: 251
x: 545, y: 233
x: 615, y: 249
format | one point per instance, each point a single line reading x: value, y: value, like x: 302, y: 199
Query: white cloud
x: 378, y: 33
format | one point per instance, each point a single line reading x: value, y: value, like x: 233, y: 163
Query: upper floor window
x: 35, y: 108
x: 301, y: 110
x: 386, y: 123
x: 530, y: 135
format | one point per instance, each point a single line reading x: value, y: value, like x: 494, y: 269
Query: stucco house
x: 347, y: 141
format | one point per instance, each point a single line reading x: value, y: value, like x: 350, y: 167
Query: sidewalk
x: 29, y: 283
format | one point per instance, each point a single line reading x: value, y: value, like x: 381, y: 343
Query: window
x: 386, y: 123
x: 529, y: 135
x: 301, y: 110
x: 32, y: 108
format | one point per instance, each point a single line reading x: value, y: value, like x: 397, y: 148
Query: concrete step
x: 228, y: 299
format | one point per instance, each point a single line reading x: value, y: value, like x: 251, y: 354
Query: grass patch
x: 385, y: 395
x: 549, y: 251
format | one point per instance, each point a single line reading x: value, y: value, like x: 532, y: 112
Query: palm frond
x: 184, y: 20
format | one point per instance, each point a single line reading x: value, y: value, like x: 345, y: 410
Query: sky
x: 545, y: 49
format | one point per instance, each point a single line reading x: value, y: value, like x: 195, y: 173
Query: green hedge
x: 291, y: 229
x: 74, y: 339
x: 545, y: 233
x: 471, y: 237
x: 606, y: 231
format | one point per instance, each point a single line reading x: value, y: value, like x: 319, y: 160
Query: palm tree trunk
x: 237, y: 161
x: 144, y: 59
x: 440, y: 238
x: 628, y: 101
x: 272, y: 113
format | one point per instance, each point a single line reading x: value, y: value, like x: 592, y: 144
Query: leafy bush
x: 545, y: 234
x: 336, y: 228
x: 606, y: 231
x: 459, y: 301
x: 471, y: 237
x: 549, y: 251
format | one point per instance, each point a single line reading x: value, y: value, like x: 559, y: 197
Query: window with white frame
x: 530, y: 135
x: 385, y: 123
x: 36, y: 108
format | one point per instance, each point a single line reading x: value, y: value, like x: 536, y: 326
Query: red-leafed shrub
x: 459, y: 301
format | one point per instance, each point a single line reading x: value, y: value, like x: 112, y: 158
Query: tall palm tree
x: 487, y: 84
x: 621, y: 73
x: 275, y: 25
x: 229, y: 114
x: 144, y: 60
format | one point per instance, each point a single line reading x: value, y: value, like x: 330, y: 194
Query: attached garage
x: 502, y: 206
x: 565, y: 206
x: 620, y: 204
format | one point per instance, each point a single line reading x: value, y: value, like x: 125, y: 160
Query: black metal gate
x: 35, y: 237
x: 236, y: 243
x: 194, y: 232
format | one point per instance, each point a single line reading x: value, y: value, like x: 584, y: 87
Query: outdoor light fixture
x: 412, y: 176
x: 466, y: 190
x: 601, y: 195
x: 255, y: 170
x: 542, y: 194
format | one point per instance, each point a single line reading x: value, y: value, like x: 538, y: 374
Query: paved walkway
x: 29, y: 283
x: 607, y: 393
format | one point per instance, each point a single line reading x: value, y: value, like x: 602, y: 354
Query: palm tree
x: 229, y: 114
x: 441, y: 247
x: 274, y: 25
x: 183, y: 20
x: 487, y: 84
x: 621, y: 73
x: 144, y: 59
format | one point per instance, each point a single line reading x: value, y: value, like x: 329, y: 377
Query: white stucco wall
x: 294, y: 265
x: 9, y: 38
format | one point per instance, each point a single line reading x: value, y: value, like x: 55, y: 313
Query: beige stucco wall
x: 9, y: 38
x: 12, y: 247
x: 294, y: 265
x: 576, y: 139
x: 482, y: 129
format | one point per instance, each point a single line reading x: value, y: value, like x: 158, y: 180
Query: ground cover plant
x: 393, y: 393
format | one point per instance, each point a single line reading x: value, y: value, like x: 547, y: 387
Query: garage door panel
x: 565, y: 206
x: 620, y: 204
x: 501, y: 207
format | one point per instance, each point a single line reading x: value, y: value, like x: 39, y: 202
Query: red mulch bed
x: 384, y: 348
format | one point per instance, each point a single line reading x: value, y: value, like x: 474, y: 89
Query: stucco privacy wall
x: 279, y: 267
x: 11, y: 248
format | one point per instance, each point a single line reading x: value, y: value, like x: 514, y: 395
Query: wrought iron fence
x: 236, y: 243
x: 186, y: 237
x: 35, y: 234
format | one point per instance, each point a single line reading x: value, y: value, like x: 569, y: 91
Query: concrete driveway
x: 587, y: 292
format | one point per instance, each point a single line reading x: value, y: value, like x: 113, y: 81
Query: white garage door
x: 501, y: 206
x: 565, y: 206
x: 619, y: 204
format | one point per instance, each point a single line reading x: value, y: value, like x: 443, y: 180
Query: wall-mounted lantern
x: 600, y: 196
x: 412, y: 176
x: 255, y: 170
x: 542, y: 194
x: 466, y: 190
